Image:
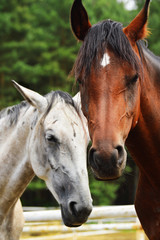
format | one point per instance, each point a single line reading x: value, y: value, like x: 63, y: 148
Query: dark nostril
x: 93, y: 158
x: 79, y: 210
x: 72, y: 207
x: 120, y: 150
x: 120, y: 153
x: 91, y: 153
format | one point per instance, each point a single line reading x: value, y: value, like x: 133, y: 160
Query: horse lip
x: 72, y: 225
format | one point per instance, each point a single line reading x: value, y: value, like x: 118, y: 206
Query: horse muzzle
x: 75, y: 214
x: 107, y: 165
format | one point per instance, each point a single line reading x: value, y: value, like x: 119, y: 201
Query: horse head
x: 57, y: 152
x: 109, y: 71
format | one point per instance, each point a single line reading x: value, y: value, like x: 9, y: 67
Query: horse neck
x: 15, y: 171
x: 144, y: 140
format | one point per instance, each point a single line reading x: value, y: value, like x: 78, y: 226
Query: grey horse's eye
x: 51, y: 138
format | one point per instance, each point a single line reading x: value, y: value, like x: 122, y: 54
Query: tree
x: 153, y: 25
x: 36, y: 46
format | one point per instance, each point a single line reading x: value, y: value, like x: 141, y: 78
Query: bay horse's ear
x: 34, y: 98
x: 79, y: 20
x: 137, y: 29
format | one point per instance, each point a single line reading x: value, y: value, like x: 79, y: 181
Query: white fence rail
x: 102, y: 221
x: 124, y: 211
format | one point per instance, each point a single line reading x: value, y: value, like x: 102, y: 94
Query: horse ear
x: 77, y: 100
x: 79, y: 20
x: 34, y: 98
x: 137, y: 29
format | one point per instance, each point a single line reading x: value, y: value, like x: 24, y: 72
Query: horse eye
x: 134, y: 79
x: 51, y: 138
x: 130, y: 81
x: 79, y: 81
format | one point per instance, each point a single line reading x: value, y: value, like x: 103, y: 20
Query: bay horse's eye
x: 134, y: 79
x: 79, y: 81
x: 51, y: 138
x: 131, y: 80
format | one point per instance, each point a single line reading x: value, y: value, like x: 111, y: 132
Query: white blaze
x: 105, y: 60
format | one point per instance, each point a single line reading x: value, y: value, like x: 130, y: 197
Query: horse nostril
x: 91, y: 153
x: 79, y: 210
x: 72, y: 207
x: 120, y: 150
x: 93, y: 158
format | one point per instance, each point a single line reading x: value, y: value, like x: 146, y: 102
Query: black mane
x: 105, y: 34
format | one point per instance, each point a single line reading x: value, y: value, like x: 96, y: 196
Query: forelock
x: 56, y: 96
x: 105, y: 34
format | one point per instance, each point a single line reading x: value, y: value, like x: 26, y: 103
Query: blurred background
x: 38, y: 50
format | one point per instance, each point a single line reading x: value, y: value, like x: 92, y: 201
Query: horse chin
x: 105, y: 179
x: 108, y: 175
x: 107, y: 165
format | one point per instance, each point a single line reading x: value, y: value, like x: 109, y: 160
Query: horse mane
x: 13, y: 112
x: 59, y: 95
x: 66, y: 97
x: 103, y: 35
x: 154, y: 59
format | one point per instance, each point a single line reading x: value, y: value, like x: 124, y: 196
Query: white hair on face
x: 105, y: 60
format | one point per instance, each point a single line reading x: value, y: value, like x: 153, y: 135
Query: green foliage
x: 37, y: 47
x: 37, y: 184
x: 102, y: 9
x: 105, y: 193
x: 153, y: 25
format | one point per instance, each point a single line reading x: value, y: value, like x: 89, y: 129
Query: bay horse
x: 44, y: 136
x: 119, y: 79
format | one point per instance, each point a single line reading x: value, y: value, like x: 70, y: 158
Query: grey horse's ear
x: 34, y: 98
x: 77, y: 101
